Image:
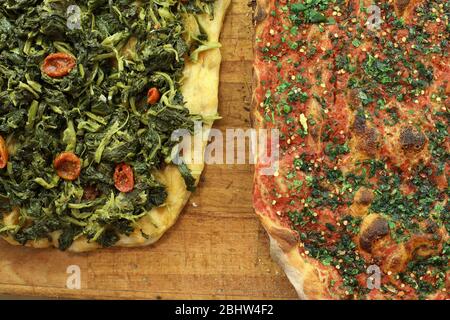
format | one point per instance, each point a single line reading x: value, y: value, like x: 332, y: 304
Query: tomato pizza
x: 359, y: 91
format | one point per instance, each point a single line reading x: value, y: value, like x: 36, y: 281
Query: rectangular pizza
x: 359, y: 91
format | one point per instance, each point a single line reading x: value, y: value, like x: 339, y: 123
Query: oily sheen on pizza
x: 90, y: 96
x: 360, y: 92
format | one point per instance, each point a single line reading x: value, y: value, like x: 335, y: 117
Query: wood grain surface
x: 216, y: 250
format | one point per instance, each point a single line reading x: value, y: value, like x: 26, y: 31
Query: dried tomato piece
x: 3, y: 153
x: 58, y: 65
x: 124, y: 178
x: 67, y: 165
x: 153, y: 95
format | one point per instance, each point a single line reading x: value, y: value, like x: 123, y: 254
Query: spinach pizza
x: 91, y: 92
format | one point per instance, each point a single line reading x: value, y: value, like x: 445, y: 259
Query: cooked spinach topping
x: 98, y: 111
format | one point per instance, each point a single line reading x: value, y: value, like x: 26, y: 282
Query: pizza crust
x: 309, y: 281
x: 200, y: 89
x: 303, y: 273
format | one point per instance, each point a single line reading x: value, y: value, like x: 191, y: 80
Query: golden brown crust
x: 201, y: 76
x: 309, y: 282
x: 404, y: 8
x: 304, y: 275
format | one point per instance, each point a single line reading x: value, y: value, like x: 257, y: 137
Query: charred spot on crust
x: 370, y: 140
x: 260, y: 15
x: 401, y: 5
x: 412, y: 139
x: 431, y: 226
x: 377, y: 229
x: 359, y: 125
x: 353, y: 98
x: 367, y: 137
x: 364, y: 196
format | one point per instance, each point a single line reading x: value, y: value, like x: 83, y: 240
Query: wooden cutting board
x: 216, y: 250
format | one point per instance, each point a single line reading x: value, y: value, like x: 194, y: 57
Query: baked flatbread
x: 359, y: 207
x: 199, y: 87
